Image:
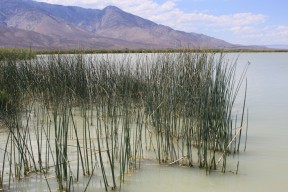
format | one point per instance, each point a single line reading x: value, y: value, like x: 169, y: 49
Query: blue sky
x: 247, y: 22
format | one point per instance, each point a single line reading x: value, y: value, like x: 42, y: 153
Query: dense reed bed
x: 176, y: 50
x: 16, y: 54
x: 82, y: 118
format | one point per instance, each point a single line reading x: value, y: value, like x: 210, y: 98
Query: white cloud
x: 236, y: 28
x: 282, y: 30
x: 168, y: 13
x: 262, y: 35
x: 243, y: 30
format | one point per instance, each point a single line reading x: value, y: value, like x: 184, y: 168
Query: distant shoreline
x: 92, y: 51
x: 26, y: 53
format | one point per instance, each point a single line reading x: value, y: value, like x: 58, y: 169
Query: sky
x: 246, y: 22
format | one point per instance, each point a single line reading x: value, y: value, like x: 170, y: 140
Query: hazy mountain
x: 278, y: 46
x: 25, y: 23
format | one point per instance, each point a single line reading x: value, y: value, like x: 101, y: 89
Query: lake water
x: 263, y: 167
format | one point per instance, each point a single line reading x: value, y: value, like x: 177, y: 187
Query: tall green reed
x: 184, y: 101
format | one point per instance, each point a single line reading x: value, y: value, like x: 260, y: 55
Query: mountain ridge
x: 50, y: 26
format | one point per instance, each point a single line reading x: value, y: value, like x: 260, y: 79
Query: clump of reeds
x: 5, y: 102
x: 179, y: 104
x: 16, y: 54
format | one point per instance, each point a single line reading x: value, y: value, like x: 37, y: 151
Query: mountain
x: 26, y: 23
x: 278, y: 46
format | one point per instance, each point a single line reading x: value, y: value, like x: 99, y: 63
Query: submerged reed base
x: 92, y: 119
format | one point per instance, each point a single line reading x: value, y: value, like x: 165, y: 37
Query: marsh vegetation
x: 16, y: 53
x: 80, y: 118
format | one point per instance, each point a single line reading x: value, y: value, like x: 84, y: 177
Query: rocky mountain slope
x: 25, y: 23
